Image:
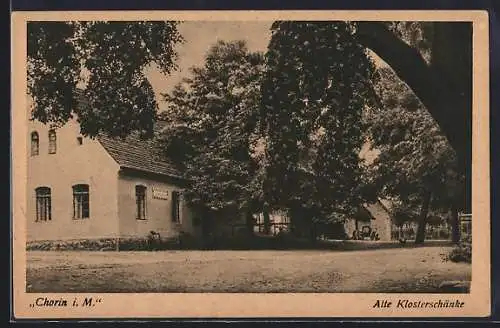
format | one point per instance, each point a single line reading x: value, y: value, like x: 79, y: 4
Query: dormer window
x: 52, y: 142
x: 34, y: 143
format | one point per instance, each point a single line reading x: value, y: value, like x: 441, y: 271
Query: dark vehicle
x: 366, y: 233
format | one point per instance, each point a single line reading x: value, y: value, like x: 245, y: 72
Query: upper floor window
x: 81, y: 206
x: 175, y: 206
x: 52, y: 142
x: 43, y: 204
x: 34, y: 143
x: 140, y: 199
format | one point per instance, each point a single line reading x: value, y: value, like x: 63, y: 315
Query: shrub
x: 134, y: 244
x: 103, y: 244
x: 188, y: 241
x: 462, y: 252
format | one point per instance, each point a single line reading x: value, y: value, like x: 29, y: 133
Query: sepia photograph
x: 262, y: 156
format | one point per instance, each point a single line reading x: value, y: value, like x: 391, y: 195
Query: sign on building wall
x: 160, y: 193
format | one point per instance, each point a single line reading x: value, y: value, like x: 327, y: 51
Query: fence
x: 408, y: 232
x: 274, y: 227
x: 465, y: 225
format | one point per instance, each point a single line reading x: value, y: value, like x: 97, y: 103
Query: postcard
x: 250, y: 164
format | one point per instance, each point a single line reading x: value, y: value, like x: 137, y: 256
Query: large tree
x: 416, y: 163
x: 315, y: 87
x: 56, y: 50
x: 105, y: 59
x: 435, y: 60
x: 212, y: 129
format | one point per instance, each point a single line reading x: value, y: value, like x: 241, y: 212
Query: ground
x: 385, y: 270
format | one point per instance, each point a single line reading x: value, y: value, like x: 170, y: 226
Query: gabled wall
x: 382, y: 222
x: 72, y: 164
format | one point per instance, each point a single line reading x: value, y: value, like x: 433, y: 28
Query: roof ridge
x: 143, y: 158
x: 132, y: 151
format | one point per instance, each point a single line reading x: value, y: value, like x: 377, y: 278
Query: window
x: 140, y: 200
x: 81, y: 209
x: 34, y: 143
x: 43, y: 204
x: 79, y: 140
x: 175, y: 206
x: 52, y: 142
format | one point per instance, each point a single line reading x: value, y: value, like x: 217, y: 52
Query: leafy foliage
x: 402, y: 214
x: 414, y: 157
x: 314, y: 90
x: 462, y: 252
x: 108, y: 59
x: 419, y: 35
x: 435, y: 60
x: 213, y: 128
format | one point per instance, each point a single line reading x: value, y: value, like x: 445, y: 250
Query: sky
x: 199, y: 36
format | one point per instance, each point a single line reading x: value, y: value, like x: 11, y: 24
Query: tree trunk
x: 422, y: 220
x: 444, y: 87
x: 314, y: 232
x: 249, y: 221
x: 205, y: 223
x: 267, y: 220
x: 455, y: 225
x: 207, y: 229
x: 294, y: 221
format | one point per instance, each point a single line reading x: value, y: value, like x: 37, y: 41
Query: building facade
x: 375, y: 216
x: 115, y: 189
x: 103, y: 188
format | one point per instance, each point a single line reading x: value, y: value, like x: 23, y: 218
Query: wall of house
x: 382, y: 223
x: 158, y: 210
x: 72, y: 164
x: 350, y: 226
x: 278, y: 220
x: 233, y: 226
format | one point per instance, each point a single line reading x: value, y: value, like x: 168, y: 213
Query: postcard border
x: 263, y: 305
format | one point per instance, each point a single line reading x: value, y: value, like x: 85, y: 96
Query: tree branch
x: 442, y: 102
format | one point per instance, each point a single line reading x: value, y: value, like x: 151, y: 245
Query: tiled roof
x: 143, y: 155
x: 133, y: 152
x: 372, y: 211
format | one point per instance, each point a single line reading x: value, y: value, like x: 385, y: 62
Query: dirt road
x: 386, y: 270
